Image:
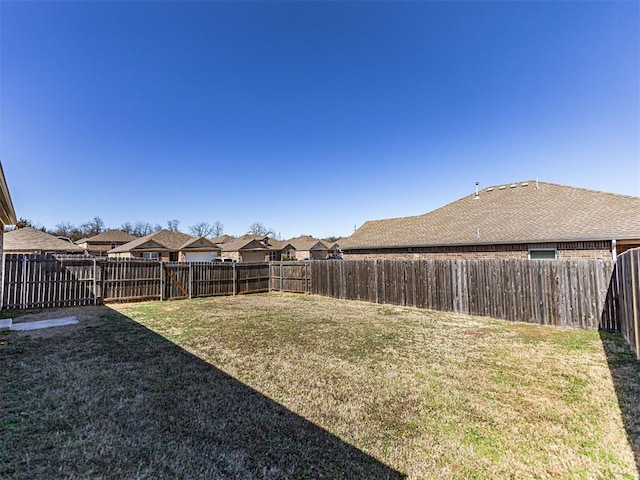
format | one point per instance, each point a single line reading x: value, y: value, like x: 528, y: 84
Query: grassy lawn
x: 287, y: 386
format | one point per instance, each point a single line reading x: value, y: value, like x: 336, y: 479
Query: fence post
x: 306, y: 276
x: 235, y: 279
x: 190, y: 279
x: 4, y: 261
x: 280, y: 276
x: 161, y: 281
x: 634, y: 304
x: 95, y: 283
x: 23, y: 297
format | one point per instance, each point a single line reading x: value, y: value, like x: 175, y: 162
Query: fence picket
x: 586, y: 294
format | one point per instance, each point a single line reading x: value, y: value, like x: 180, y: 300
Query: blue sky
x: 310, y: 117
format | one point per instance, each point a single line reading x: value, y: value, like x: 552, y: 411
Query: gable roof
x: 223, y: 239
x: 29, y: 239
x: 162, y: 239
x: 307, y: 242
x: 525, y: 212
x: 252, y: 242
x: 108, y: 237
x: 200, y: 244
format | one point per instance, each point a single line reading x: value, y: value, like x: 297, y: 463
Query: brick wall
x: 564, y: 251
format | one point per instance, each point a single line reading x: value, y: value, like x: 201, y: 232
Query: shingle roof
x: 109, y: 236
x: 29, y: 239
x: 166, y: 238
x: 200, y: 244
x: 307, y: 242
x: 525, y: 212
x: 223, y: 239
x: 245, y: 240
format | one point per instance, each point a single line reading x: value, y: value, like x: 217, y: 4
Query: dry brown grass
x: 425, y: 394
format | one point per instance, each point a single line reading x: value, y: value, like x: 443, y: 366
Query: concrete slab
x: 5, y: 324
x: 56, y: 322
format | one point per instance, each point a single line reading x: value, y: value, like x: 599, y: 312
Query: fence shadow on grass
x: 625, y: 373
x: 135, y: 405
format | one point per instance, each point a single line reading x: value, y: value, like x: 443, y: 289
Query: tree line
x: 96, y: 226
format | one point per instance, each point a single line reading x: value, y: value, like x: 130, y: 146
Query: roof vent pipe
x: 477, y: 192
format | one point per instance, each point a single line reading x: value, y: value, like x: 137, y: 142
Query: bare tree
x: 257, y: 228
x: 93, y: 227
x: 202, y: 229
x: 67, y: 229
x: 172, y: 225
x: 127, y: 227
x: 218, y: 229
x: 64, y: 229
x: 140, y: 229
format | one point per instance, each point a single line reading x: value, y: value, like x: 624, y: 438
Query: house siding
x: 311, y: 254
x: 565, y: 251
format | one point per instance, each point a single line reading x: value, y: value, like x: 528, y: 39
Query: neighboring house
x: 535, y: 220
x: 254, y: 248
x: 100, y: 244
x: 168, y: 246
x: 334, y: 249
x: 306, y: 247
x: 223, y: 239
x: 29, y: 240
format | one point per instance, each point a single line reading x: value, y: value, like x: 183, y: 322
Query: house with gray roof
x: 168, y: 246
x: 223, y: 239
x: 254, y: 248
x: 100, y: 244
x: 535, y: 220
x: 306, y: 247
x: 28, y: 240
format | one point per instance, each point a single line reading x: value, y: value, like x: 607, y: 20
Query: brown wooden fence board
x: 586, y: 294
x: 623, y: 303
x: 563, y: 293
x: 41, y: 282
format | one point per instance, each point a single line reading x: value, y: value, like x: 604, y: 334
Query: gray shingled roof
x: 29, y: 239
x: 307, y: 242
x: 244, y: 242
x: 200, y: 244
x: 169, y: 240
x: 223, y: 239
x: 525, y: 212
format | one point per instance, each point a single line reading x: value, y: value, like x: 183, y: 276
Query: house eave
x: 497, y: 242
x: 7, y: 211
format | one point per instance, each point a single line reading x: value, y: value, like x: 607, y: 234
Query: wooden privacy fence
x: 44, y: 281
x: 586, y: 294
x: 625, y: 297
x: 564, y: 293
x: 292, y: 277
